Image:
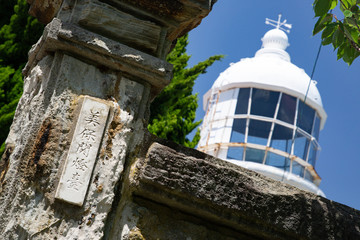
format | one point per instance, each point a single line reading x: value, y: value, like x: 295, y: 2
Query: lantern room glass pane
x: 287, y: 109
x: 258, y: 132
x: 308, y: 176
x: 263, y: 102
x: 254, y: 155
x: 281, y: 138
x: 281, y: 132
x: 305, y: 117
x: 238, y: 131
x: 301, y: 145
x: 242, y: 101
x: 278, y: 161
x: 313, y: 154
x: 316, y: 128
x: 235, y: 153
x: 297, y: 169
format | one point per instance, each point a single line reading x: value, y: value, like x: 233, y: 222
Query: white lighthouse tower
x: 264, y: 113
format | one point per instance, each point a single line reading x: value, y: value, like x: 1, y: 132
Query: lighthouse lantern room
x: 264, y: 113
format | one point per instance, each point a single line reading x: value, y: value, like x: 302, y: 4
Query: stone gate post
x: 88, y: 84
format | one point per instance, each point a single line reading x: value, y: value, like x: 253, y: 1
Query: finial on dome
x: 278, y: 24
x: 275, y: 41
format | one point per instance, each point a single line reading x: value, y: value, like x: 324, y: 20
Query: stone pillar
x: 83, y: 115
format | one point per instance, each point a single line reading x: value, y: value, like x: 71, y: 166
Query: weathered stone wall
x: 215, y: 197
x: 104, y: 60
x: 80, y: 164
x: 41, y: 135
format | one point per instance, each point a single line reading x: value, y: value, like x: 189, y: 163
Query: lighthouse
x: 264, y: 113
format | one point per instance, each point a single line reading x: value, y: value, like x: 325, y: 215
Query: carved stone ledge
x: 100, y: 51
x: 151, y: 26
x: 133, y: 37
x: 226, y: 194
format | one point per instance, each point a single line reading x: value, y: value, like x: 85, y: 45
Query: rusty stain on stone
x: 35, y: 166
x: 100, y: 188
x: 4, y: 162
x: 91, y: 219
x: 115, y: 127
x: 41, y: 141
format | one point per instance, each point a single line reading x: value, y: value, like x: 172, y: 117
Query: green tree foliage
x: 18, y: 36
x: 344, y: 33
x: 10, y: 92
x: 173, y: 111
x: 18, y: 32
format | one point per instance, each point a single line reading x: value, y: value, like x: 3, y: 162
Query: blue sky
x: 235, y: 28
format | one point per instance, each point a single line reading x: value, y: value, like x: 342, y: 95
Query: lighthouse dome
x: 265, y: 113
x: 271, y: 69
x: 275, y: 38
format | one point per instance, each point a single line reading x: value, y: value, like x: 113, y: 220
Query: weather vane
x: 278, y: 24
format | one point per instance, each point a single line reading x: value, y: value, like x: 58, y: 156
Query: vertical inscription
x: 82, y: 153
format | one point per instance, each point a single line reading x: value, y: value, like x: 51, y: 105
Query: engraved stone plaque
x: 82, y: 153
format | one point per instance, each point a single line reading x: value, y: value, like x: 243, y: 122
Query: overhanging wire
x: 314, y: 67
x: 311, y: 77
x: 313, y: 71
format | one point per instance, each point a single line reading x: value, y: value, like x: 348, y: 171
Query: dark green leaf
x: 327, y: 40
x: 349, y: 54
x: 354, y: 8
x: 335, y: 37
x: 340, y: 52
x: 321, y: 7
x: 338, y: 38
x: 329, y: 30
x: 321, y: 23
x: 351, y: 21
x: 355, y: 35
x: 357, y: 54
x: 351, y: 33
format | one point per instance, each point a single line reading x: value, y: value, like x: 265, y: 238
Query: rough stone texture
x: 48, y: 115
x: 170, y: 19
x: 143, y: 34
x: 109, y: 51
x: 221, y: 193
x: 177, y: 16
x: 143, y: 219
x: 100, y: 51
x: 113, y: 52
x: 44, y: 10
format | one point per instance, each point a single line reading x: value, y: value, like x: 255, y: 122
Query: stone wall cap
x: 225, y: 193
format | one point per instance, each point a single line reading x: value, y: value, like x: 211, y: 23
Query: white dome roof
x: 271, y: 69
x: 275, y: 38
x: 275, y: 42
